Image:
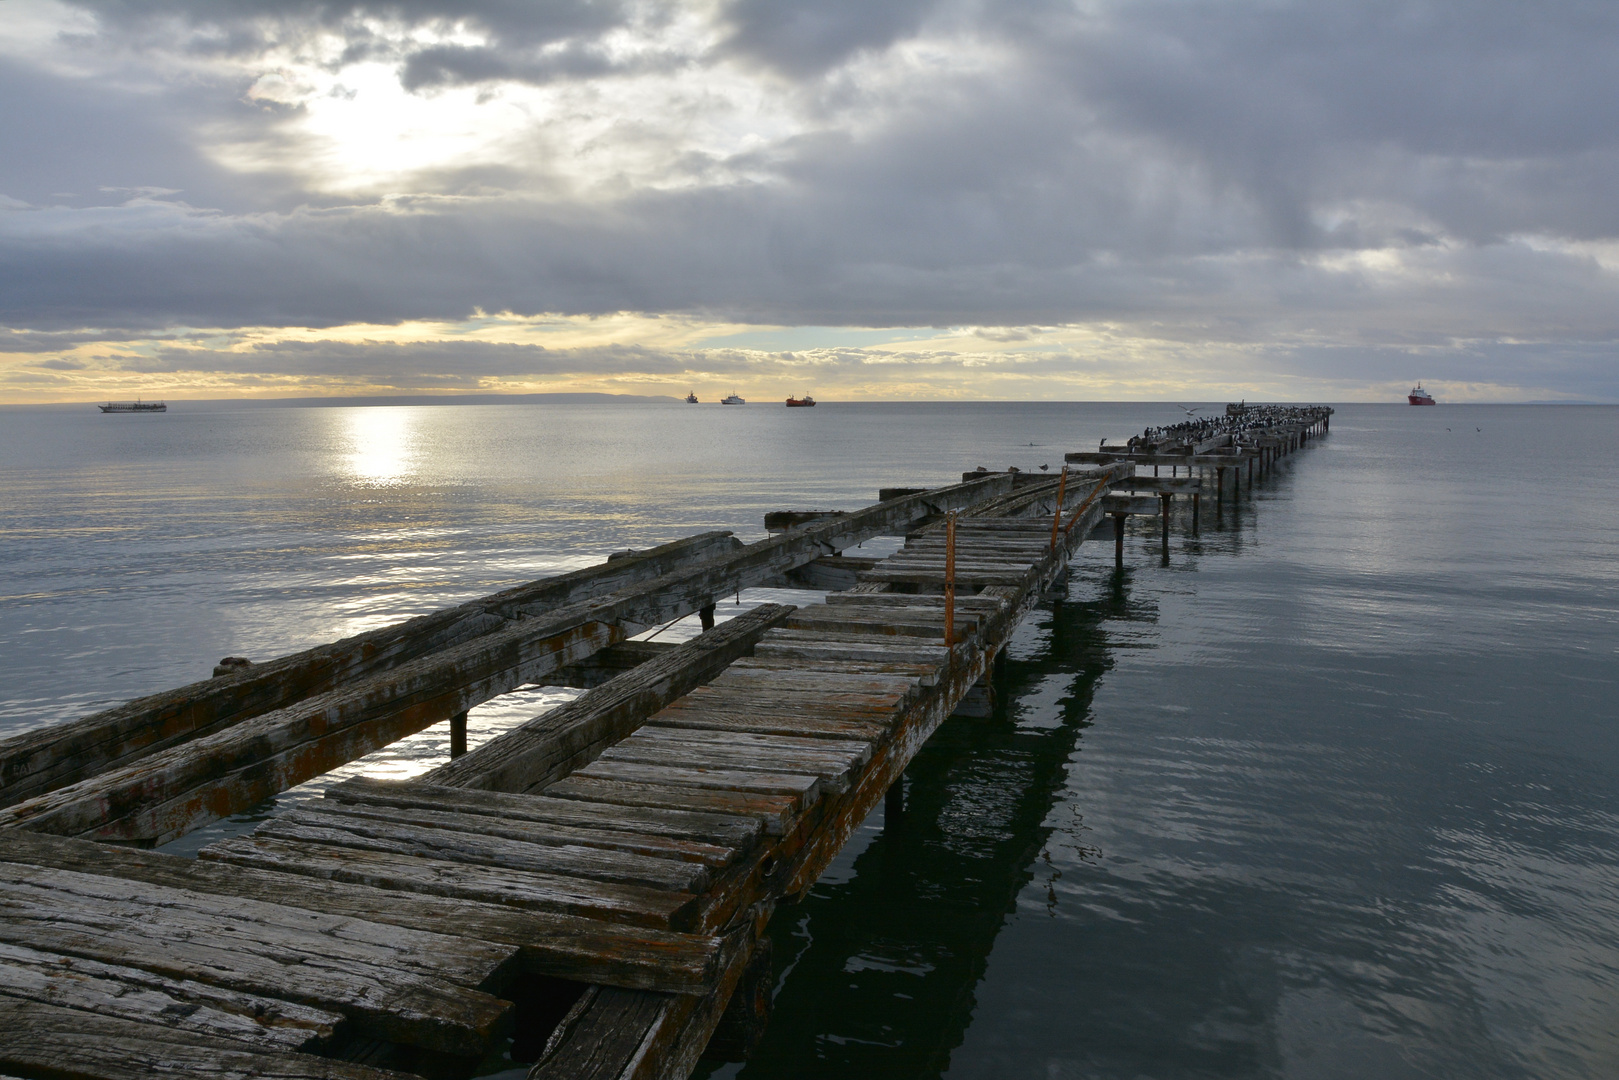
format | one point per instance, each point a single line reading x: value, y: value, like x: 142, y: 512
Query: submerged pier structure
x: 585, y: 895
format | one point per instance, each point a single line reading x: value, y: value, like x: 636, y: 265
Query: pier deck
x: 587, y: 892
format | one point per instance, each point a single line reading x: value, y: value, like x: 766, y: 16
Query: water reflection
x: 879, y: 965
x: 382, y: 443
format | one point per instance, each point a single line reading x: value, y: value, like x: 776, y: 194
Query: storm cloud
x: 1329, y: 181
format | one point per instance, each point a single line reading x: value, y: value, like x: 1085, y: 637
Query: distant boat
x: 805, y: 402
x: 133, y: 406
x: 691, y: 399
x: 1419, y: 396
x: 733, y: 399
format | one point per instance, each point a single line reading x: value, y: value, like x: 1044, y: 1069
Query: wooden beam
x: 39, y: 761
x: 165, y: 796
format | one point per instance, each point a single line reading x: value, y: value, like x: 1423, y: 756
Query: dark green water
x: 1332, y: 794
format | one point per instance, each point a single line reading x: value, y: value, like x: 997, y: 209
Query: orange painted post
x: 950, y: 579
x: 1056, y: 519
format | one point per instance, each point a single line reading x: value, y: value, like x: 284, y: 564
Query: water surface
x: 1332, y: 794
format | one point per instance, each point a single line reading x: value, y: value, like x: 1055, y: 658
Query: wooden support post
x: 1164, y: 517
x: 747, y: 1014
x: 894, y: 802
x: 1196, y: 500
x: 1118, y: 540
x: 1219, y: 488
x: 458, y: 735
x: 1056, y: 518
x: 705, y: 615
x: 950, y: 579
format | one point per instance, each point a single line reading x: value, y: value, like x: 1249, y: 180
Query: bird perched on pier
x: 1043, y: 468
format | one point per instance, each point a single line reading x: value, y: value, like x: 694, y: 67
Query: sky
x: 861, y: 199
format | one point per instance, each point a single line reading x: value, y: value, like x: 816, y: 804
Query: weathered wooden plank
x: 648, y: 844
x: 45, y: 1040
x: 164, y: 796
x: 394, y: 991
x: 531, y: 891
x: 925, y: 658
x: 720, y: 830
x: 834, y: 620
x: 772, y: 812
x: 814, y: 682
x: 562, y: 740
x: 1178, y: 485
x: 868, y: 709
x: 833, y: 771
x: 1138, y: 505
x: 803, y: 726
x: 317, y: 826
x: 804, y: 788
x: 562, y: 946
x: 838, y: 666
x: 857, y: 751
x: 39, y: 761
x: 183, y: 1004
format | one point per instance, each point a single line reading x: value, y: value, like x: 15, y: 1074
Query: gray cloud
x: 1193, y: 171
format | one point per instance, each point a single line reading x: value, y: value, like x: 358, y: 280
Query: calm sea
x: 1335, y: 793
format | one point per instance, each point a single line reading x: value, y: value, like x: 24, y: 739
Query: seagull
x: 1189, y: 412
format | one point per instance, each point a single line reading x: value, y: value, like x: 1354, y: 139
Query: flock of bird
x: 1199, y: 428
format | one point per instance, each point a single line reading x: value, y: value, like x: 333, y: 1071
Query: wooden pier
x: 587, y: 892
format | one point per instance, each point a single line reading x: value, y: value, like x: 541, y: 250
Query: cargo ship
x: 1419, y: 396
x: 133, y: 406
x: 804, y: 402
x: 691, y: 399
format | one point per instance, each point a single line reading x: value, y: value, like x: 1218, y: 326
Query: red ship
x: 1419, y: 396
x: 800, y: 402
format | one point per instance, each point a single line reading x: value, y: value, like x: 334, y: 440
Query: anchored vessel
x: 133, y: 406
x: 620, y: 854
x: 733, y: 399
x: 1419, y: 396
x: 691, y: 399
x: 800, y: 402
